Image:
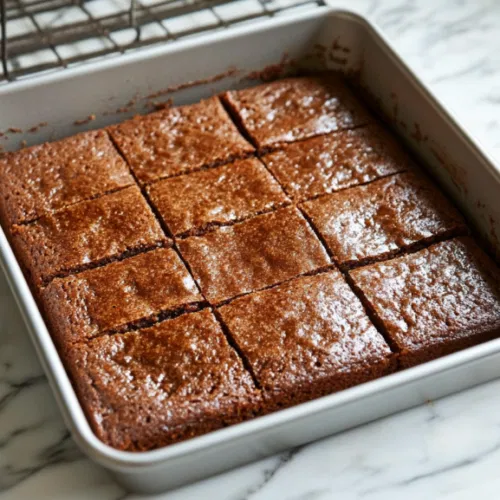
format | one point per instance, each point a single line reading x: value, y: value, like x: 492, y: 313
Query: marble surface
x: 447, y: 449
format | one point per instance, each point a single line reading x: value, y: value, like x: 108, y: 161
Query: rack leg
x: 132, y: 18
x: 3, y: 15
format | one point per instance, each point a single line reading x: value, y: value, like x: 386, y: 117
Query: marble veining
x: 447, y: 449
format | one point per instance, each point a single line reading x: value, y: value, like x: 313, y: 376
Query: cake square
x: 164, y: 384
x: 435, y: 301
x: 41, y: 179
x: 328, y: 163
x: 87, y: 234
x: 118, y: 296
x: 192, y: 203
x: 179, y: 140
x: 378, y: 220
x: 254, y: 254
x: 306, y: 338
x: 293, y: 109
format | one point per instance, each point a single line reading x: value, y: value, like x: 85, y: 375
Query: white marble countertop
x: 448, y: 449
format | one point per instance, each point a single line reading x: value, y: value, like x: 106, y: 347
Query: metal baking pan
x: 330, y: 39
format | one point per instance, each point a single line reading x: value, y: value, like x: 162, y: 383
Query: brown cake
x: 253, y: 304
x: 336, y: 161
x: 87, y: 234
x: 433, y: 302
x: 306, y: 338
x: 36, y: 181
x: 251, y: 255
x: 164, y: 384
x: 378, y: 220
x: 232, y: 192
x: 295, y: 108
x: 121, y: 295
x: 179, y: 140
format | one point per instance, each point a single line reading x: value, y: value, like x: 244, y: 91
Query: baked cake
x: 207, y: 264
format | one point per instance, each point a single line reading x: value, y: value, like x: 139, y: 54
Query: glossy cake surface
x: 179, y: 140
x: 206, y: 264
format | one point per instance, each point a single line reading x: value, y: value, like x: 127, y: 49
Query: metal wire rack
x: 46, y: 35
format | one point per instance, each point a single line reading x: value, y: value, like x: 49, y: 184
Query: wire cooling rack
x: 49, y: 35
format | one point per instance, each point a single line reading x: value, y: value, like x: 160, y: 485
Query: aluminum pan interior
x: 352, y: 45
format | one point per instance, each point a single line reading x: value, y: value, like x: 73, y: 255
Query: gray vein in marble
x: 313, y: 494
x: 433, y: 473
x: 475, y: 68
x: 61, y: 451
x: 5, y: 440
x: 16, y: 388
x: 269, y: 474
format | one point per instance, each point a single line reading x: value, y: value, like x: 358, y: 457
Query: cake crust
x: 179, y: 140
x: 434, y: 302
x: 41, y: 179
x: 164, y: 384
x: 254, y: 254
x: 192, y: 203
x: 87, y: 234
x: 119, y: 296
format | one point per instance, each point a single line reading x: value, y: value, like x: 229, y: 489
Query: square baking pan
x: 111, y: 90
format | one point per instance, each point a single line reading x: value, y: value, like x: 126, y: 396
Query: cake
x: 87, y: 234
x: 175, y: 380
x: 294, y: 109
x: 328, y: 163
x: 306, y: 338
x: 41, y: 179
x: 179, y: 140
x: 192, y: 203
x: 433, y: 302
x: 119, y: 296
x: 254, y: 254
x: 377, y: 221
x: 206, y: 264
